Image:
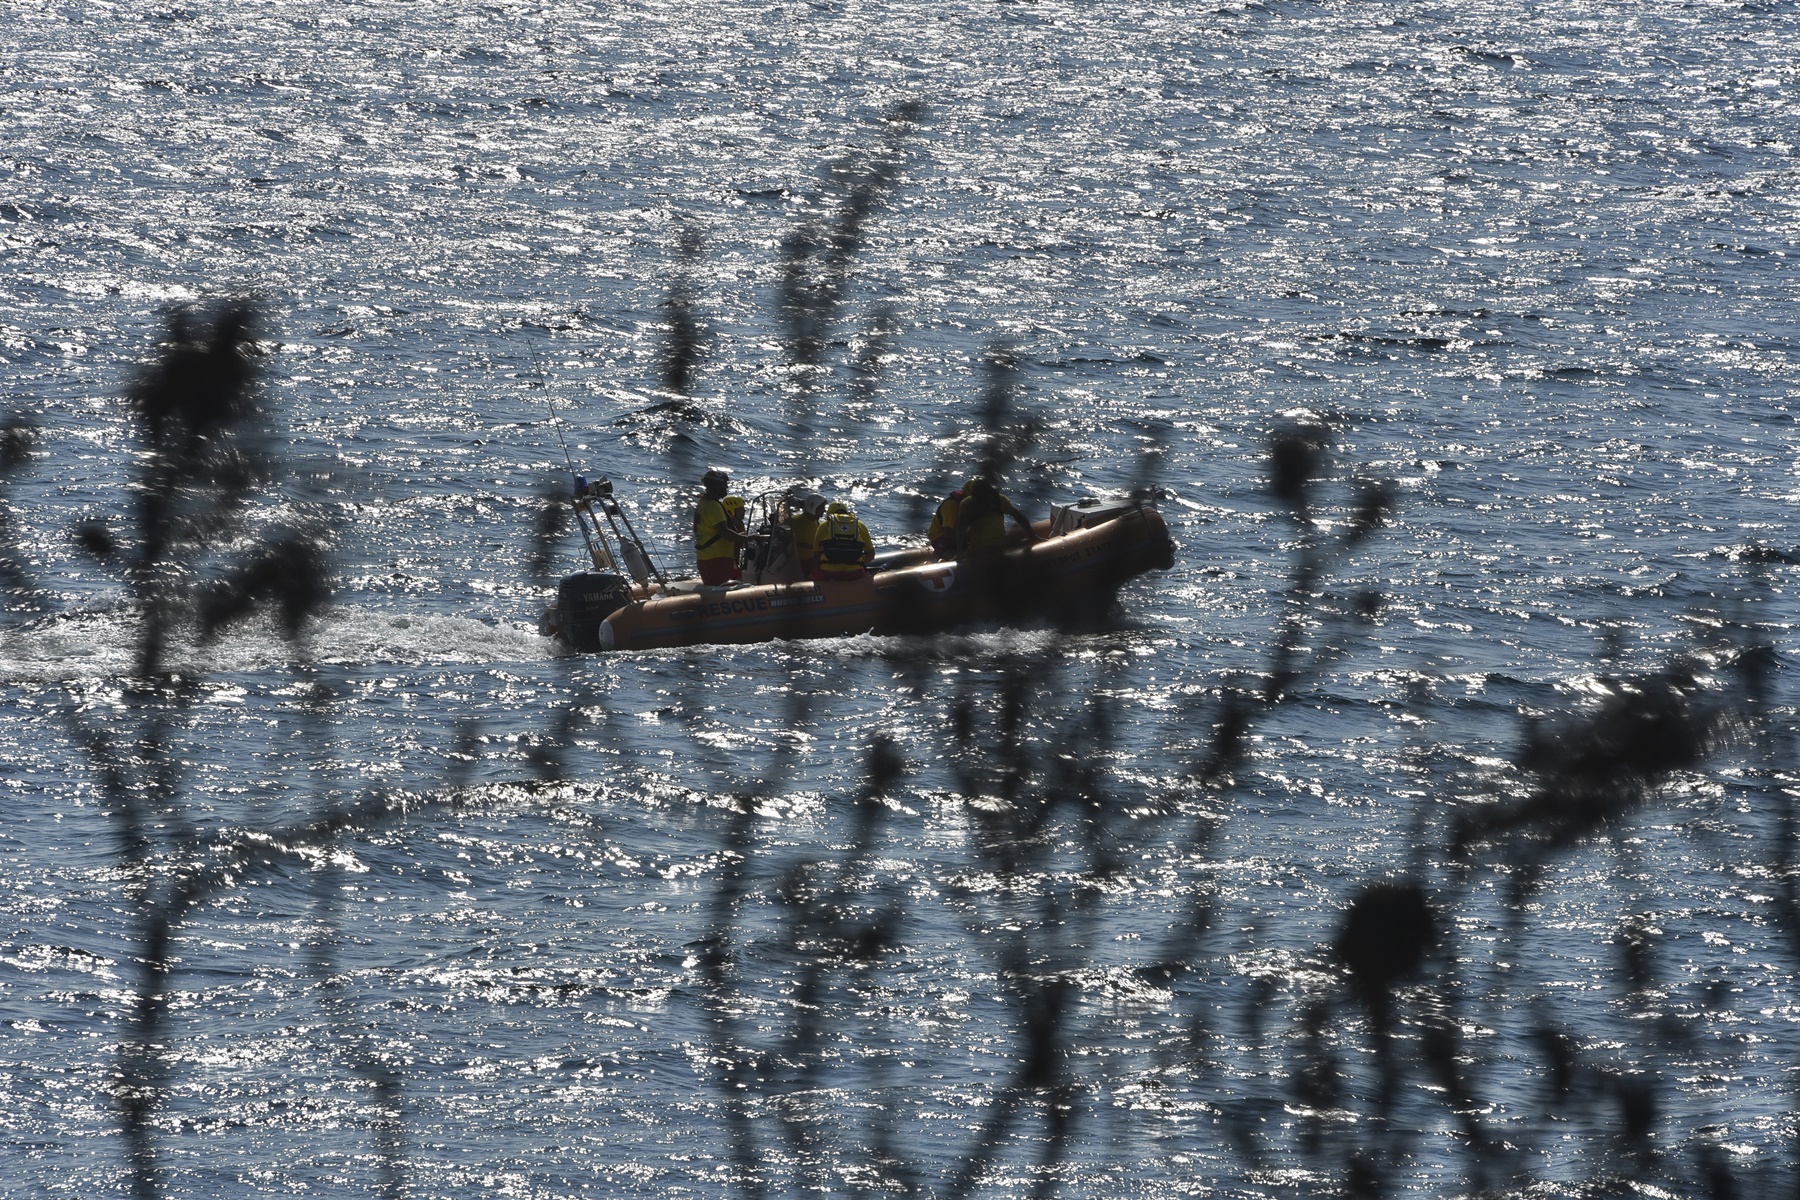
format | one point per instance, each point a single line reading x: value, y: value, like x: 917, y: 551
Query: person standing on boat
x: 845, y: 548
x: 942, y: 534
x: 981, y: 520
x: 715, y: 541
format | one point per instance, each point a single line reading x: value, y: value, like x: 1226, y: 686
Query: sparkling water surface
x: 1532, y: 262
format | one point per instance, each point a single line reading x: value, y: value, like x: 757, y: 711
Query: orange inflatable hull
x: 1067, y: 578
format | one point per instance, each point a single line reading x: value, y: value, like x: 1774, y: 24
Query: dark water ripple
x: 1532, y: 263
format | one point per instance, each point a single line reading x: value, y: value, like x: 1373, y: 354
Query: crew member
x: 981, y: 520
x: 845, y: 549
x: 715, y: 541
x: 942, y: 534
x: 806, y: 517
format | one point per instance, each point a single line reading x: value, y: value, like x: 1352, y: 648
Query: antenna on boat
x: 600, y: 555
x: 633, y: 554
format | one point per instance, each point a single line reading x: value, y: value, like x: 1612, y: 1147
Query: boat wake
x: 101, y: 644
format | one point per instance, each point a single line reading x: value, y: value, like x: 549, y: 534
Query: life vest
x: 806, y: 532
x: 709, y: 542
x: 943, y: 521
x: 983, y: 519
x: 843, y: 540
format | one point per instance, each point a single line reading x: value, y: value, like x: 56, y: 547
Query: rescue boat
x: 1068, y: 576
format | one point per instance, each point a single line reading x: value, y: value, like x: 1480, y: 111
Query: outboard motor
x: 585, y: 600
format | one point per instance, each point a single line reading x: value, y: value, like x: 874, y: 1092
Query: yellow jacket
x: 806, y: 537
x: 844, y: 544
x: 983, y: 521
x: 942, y: 533
x: 709, y: 522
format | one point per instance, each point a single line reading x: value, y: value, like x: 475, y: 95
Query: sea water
x: 1531, y: 263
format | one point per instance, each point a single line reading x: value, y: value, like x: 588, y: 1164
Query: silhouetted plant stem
x: 737, y: 1074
